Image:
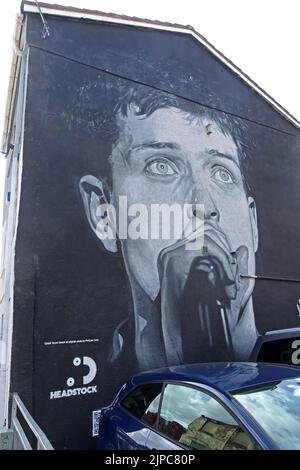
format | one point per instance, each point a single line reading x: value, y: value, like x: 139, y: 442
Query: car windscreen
x: 276, y: 408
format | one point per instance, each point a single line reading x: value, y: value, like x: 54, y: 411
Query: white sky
x: 262, y: 37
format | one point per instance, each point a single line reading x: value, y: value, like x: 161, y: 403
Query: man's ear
x: 94, y: 197
x: 253, y: 219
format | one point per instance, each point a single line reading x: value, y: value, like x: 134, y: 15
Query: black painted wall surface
x: 71, y: 294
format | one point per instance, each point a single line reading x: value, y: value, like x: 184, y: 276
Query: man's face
x: 170, y: 158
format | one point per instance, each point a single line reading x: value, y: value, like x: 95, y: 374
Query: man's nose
x: 203, y: 198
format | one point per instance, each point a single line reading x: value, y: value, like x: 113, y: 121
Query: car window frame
x: 209, y: 391
x: 133, y: 390
x: 200, y: 387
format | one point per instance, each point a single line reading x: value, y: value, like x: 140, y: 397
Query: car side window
x: 143, y: 402
x: 197, y: 420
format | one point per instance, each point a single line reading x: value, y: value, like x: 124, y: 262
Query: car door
x: 279, y: 346
x: 190, y: 418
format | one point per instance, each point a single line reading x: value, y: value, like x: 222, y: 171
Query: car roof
x: 223, y: 376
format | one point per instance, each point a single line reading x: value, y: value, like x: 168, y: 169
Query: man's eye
x: 161, y: 168
x: 223, y: 175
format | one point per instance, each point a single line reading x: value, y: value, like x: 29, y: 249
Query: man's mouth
x: 214, y: 259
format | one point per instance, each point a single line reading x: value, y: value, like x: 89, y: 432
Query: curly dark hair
x: 98, y: 104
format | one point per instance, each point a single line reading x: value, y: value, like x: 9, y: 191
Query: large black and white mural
x: 172, y: 161
x: 156, y: 186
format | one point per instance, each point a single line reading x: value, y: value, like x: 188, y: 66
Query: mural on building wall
x: 188, y: 304
x: 155, y: 183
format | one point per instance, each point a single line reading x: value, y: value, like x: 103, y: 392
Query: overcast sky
x: 262, y: 37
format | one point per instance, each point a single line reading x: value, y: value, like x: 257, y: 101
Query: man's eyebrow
x: 156, y: 145
x: 217, y: 153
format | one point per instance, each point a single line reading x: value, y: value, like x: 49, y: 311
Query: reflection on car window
x: 276, y: 407
x: 143, y: 402
x: 198, y: 421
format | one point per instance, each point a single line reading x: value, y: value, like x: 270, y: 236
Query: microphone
x: 206, y: 335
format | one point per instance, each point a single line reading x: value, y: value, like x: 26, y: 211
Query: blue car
x: 215, y: 406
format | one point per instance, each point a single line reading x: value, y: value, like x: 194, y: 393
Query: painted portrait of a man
x: 189, y: 305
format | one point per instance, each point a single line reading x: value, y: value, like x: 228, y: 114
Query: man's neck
x: 244, y: 333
